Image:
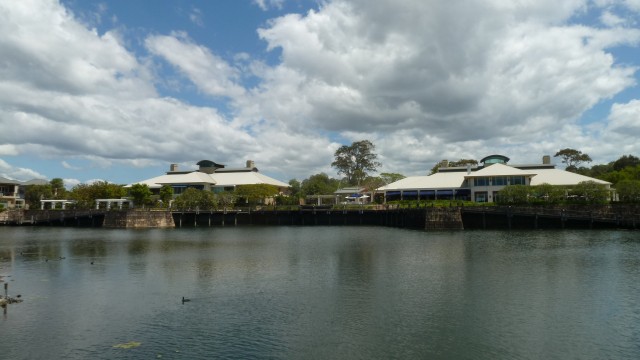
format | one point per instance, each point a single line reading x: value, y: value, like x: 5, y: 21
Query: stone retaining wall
x: 138, y: 219
x: 443, y: 219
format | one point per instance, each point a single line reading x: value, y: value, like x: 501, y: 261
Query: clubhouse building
x: 480, y: 183
x: 211, y: 176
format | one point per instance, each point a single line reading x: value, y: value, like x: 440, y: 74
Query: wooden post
x: 6, y: 290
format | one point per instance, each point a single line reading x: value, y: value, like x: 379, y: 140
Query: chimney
x: 251, y: 164
x: 444, y: 163
x: 173, y: 167
x: 468, y: 169
x: 546, y: 159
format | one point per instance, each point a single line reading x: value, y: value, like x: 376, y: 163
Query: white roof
x: 561, y: 177
x: 440, y: 180
x: 455, y: 179
x: 245, y: 178
x: 188, y: 178
x: 500, y: 170
x: 215, y: 179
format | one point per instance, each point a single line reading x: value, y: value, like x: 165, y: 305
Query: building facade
x: 481, y: 183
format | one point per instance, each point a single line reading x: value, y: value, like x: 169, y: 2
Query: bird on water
x: 185, y: 300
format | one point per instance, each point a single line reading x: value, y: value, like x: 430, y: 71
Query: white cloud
x: 196, y: 17
x: 425, y: 80
x: 268, y: 4
x: 209, y: 72
x: 18, y: 173
x: 66, y: 165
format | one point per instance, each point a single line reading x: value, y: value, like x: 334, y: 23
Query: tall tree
x: 572, y: 158
x: 356, y: 160
x: 57, y: 186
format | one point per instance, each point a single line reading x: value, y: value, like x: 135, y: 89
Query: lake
x: 319, y: 293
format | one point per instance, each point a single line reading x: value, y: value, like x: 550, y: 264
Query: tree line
x: 357, y: 163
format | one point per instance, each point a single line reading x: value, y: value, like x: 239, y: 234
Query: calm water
x: 320, y: 292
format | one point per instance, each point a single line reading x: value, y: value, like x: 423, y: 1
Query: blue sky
x: 118, y: 90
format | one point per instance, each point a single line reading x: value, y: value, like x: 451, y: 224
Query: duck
x: 185, y: 300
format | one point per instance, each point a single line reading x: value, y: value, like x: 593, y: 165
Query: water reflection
x: 320, y: 292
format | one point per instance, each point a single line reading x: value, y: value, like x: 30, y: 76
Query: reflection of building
x: 12, y: 191
x: 211, y: 177
x: 480, y: 183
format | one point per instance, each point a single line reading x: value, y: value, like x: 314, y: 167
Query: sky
x: 118, y: 90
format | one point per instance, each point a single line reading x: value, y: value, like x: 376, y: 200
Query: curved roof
x: 495, y: 159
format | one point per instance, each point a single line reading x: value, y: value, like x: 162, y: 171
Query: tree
x: 192, y: 199
x: 389, y: 178
x: 34, y: 193
x: 371, y: 183
x: 572, y: 158
x: 548, y: 194
x: 256, y: 193
x: 319, y: 184
x: 57, y: 187
x: 85, y: 195
x: 628, y: 190
x: 625, y: 161
x: 591, y: 192
x: 166, y: 194
x: 355, y: 161
x: 513, y: 194
x: 141, y: 194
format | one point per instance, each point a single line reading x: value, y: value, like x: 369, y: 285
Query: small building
x: 481, y: 183
x: 12, y: 191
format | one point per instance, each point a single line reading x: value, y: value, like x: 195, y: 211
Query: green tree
x: 626, y: 161
x: 226, y: 199
x: 256, y: 193
x: 34, y: 193
x: 57, y: 187
x: 319, y: 184
x: 513, y: 194
x: 295, y: 189
x: 549, y: 194
x: 85, y: 195
x: 591, y: 192
x: 572, y: 158
x: 355, y: 161
x: 187, y: 200
x: 166, y: 195
x: 628, y: 190
x: 141, y: 194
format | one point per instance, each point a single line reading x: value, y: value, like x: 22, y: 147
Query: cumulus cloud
x: 423, y: 79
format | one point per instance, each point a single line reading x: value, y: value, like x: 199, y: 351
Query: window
x: 482, y: 181
x: 481, y: 196
x: 500, y: 181
x: 517, y: 180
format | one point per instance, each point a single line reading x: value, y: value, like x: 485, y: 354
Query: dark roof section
x: 209, y: 164
x: 492, y: 159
